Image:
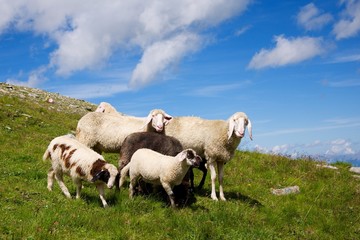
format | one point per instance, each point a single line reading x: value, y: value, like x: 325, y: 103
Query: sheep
x: 105, y: 107
x: 214, y: 140
x: 160, y: 143
x: 159, y: 169
x: 106, y: 132
x: 69, y: 156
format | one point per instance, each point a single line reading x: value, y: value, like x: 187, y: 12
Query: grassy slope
x: 327, y: 208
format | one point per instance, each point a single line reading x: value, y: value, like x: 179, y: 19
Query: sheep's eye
x: 190, y: 154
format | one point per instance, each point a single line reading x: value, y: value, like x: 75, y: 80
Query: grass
x: 327, y: 207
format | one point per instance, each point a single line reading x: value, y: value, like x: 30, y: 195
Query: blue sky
x: 292, y: 66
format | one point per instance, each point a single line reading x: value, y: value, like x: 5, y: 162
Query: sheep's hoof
x: 213, y: 197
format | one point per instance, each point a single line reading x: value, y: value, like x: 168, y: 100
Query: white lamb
x: 159, y: 169
x: 71, y: 157
x: 106, y: 132
x: 214, y: 140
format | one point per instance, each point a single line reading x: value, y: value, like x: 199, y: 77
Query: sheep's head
x: 105, y: 107
x: 192, y: 159
x: 108, y: 175
x: 158, y: 119
x: 114, y: 175
x: 237, y: 124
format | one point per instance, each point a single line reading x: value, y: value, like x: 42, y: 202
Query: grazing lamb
x: 159, y: 169
x: 160, y: 143
x: 105, y: 107
x: 214, y: 140
x: 106, y: 132
x: 69, y: 156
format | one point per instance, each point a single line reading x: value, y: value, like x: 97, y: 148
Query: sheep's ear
x: 167, y: 118
x: 231, y: 127
x: 147, y: 121
x: 182, y: 155
x: 249, y: 127
x: 103, y: 175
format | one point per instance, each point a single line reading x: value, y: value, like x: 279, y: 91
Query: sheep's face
x: 192, y: 159
x: 100, y: 108
x: 113, y: 174
x: 237, y: 125
x: 158, y: 119
x: 107, y: 175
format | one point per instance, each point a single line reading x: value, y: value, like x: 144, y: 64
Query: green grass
x: 328, y: 206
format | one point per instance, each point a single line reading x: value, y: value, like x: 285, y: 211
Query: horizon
x: 292, y: 67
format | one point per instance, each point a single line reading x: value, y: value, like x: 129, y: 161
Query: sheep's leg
x: 220, y: 166
x: 123, y: 173
x: 100, y: 188
x: 213, y: 178
x: 78, y: 187
x: 204, y: 170
x: 191, y: 176
x: 169, y: 192
x: 50, y: 179
x: 59, y: 179
x: 131, y: 186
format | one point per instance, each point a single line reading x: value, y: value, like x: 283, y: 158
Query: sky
x: 292, y: 66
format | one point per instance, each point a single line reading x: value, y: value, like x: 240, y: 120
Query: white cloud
x: 88, y: 91
x: 87, y: 33
x: 312, y: 129
x: 340, y: 147
x: 242, y: 30
x: 35, y: 78
x: 288, y: 51
x: 329, y: 150
x: 311, y: 18
x: 349, y: 24
x: 213, y: 90
x: 342, y: 84
x: 345, y: 59
x: 161, y: 55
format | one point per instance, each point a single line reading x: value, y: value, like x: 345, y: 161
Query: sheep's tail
x: 124, y: 172
x: 46, y: 155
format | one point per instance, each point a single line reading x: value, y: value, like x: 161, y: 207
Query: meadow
x: 327, y: 207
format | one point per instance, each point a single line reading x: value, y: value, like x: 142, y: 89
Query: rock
x: 355, y: 170
x: 326, y: 166
x: 285, y: 191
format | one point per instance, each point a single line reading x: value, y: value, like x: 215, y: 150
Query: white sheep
x: 106, y: 132
x: 71, y: 157
x: 159, y: 169
x: 105, y: 107
x: 214, y: 140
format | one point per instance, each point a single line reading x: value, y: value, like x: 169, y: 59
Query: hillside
x: 327, y: 206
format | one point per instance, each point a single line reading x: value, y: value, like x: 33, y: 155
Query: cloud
x: 88, y: 33
x: 88, y: 91
x: 242, y: 30
x: 35, y: 78
x: 342, y: 84
x: 288, y: 51
x: 213, y: 90
x: 311, y: 18
x: 345, y: 59
x: 349, y: 24
x: 300, y: 130
x: 340, y: 147
x: 161, y: 55
x: 327, y: 150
